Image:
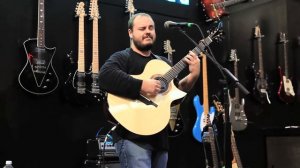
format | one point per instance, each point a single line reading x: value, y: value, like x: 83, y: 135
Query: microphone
x: 170, y: 24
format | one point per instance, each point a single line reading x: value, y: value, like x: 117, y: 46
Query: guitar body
x: 260, y: 90
x: 237, y: 115
x: 213, y: 12
x: 176, y: 124
x: 38, y: 75
x: 286, y: 91
x: 138, y: 117
x: 202, y: 118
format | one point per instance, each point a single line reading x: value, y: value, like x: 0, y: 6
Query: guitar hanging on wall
x: 77, y: 77
x: 94, y: 69
x: 237, y: 115
x: 286, y: 91
x: 130, y: 9
x: 216, y: 8
x: 176, y: 122
x: 38, y: 75
x: 205, y: 114
x: 260, y: 89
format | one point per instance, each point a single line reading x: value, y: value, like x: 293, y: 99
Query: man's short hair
x: 131, y: 20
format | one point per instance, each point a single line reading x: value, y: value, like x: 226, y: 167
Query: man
x: 137, y: 151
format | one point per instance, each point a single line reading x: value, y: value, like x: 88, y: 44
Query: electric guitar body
x: 286, y: 91
x: 38, y: 75
x: 205, y: 114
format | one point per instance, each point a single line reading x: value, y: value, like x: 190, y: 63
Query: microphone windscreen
x: 167, y: 24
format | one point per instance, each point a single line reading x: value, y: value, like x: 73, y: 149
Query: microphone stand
x: 229, y: 78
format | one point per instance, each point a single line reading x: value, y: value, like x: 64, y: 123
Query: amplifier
x: 96, y: 149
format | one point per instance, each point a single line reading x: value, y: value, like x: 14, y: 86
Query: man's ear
x: 130, y: 33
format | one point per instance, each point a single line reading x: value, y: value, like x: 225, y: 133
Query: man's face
x: 143, y: 33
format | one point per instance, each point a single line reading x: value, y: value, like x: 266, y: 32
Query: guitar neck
x: 205, y: 86
x: 41, y: 24
x: 236, y: 90
x: 235, y: 151
x: 80, y: 62
x: 170, y: 58
x: 286, y: 71
x: 227, y: 3
x: 95, y: 61
x: 260, y: 59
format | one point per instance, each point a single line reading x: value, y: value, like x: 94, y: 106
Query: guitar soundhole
x: 163, y: 83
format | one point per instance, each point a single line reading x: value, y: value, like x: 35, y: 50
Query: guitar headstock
x: 130, y: 7
x: 94, y: 10
x: 219, y: 107
x: 80, y: 12
x: 216, y: 33
x: 282, y: 37
x: 167, y: 47
x: 233, y: 55
x: 257, y: 32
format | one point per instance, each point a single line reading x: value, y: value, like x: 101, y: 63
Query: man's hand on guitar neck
x: 193, y: 62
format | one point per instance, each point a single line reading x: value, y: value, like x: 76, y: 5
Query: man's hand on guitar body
x: 150, y: 87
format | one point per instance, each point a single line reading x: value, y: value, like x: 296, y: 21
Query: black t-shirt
x: 114, y: 78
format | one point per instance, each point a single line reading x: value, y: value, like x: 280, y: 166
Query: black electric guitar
x: 286, y: 91
x: 236, y: 161
x: 94, y: 69
x: 216, y: 8
x: 76, y: 78
x: 176, y: 122
x: 237, y: 115
x: 38, y: 75
x: 260, y: 89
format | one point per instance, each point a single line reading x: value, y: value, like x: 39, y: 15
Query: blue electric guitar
x: 205, y: 114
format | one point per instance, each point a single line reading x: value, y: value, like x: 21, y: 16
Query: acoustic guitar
x: 148, y: 115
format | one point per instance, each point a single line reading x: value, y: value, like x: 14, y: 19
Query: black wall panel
x: 51, y: 130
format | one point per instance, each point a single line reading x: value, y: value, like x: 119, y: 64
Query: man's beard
x: 142, y: 47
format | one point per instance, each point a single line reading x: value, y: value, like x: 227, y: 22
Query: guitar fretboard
x: 41, y: 24
x: 81, y: 66
x: 95, y: 62
x: 227, y: 3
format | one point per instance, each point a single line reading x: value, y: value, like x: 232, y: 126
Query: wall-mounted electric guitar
x: 94, y: 15
x: 205, y: 114
x: 176, y: 122
x: 260, y: 89
x: 38, y: 75
x: 78, y: 79
x: 236, y: 161
x: 237, y: 115
x: 286, y: 91
x: 148, y: 115
x: 216, y: 8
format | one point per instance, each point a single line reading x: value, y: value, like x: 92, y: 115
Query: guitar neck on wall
x: 286, y: 91
x: 38, y: 75
x: 94, y: 16
x: 216, y: 8
x: 260, y: 89
x: 176, y: 122
x: 237, y: 113
x: 80, y: 73
x: 130, y: 9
